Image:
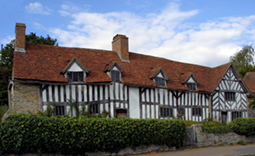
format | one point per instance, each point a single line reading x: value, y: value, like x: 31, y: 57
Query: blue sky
x: 204, y: 32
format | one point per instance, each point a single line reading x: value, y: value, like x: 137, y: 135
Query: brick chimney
x: 120, y: 44
x: 20, y: 31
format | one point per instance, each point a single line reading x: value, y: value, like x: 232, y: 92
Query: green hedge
x: 243, y: 126
x: 22, y: 133
x: 217, y: 129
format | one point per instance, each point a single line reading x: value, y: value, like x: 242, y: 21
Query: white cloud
x: 209, y: 43
x: 38, y: 8
x: 6, y: 40
x: 68, y: 8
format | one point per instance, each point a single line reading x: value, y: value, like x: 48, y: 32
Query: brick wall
x: 25, y: 97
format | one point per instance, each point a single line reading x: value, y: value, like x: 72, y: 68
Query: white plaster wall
x: 75, y: 67
x: 134, y: 102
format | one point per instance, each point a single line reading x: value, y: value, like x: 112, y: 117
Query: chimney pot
x: 20, y: 31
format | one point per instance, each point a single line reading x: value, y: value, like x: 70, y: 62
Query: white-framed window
x: 160, y: 82
x: 115, y: 75
x: 73, y: 76
x: 230, y: 96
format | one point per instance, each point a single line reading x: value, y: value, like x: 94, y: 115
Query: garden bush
x: 217, y: 129
x: 28, y: 133
x: 243, y: 126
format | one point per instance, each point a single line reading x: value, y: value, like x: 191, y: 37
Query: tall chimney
x: 20, y: 32
x: 120, y: 44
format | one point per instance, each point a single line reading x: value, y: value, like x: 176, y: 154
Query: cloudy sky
x: 204, y: 32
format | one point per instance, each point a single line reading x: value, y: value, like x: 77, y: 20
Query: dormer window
x: 115, y: 75
x: 189, y: 80
x: 160, y: 82
x: 192, y: 86
x: 114, y: 71
x: 75, y: 71
x: 75, y: 76
x: 158, y: 76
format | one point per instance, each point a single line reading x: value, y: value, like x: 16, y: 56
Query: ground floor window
x: 60, y: 110
x: 236, y: 115
x: 166, y: 112
x: 197, y: 111
x: 94, y: 108
x: 181, y: 110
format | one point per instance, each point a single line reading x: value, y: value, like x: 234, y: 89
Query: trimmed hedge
x: 217, y: 129
x: 243, y: 126
x: 22, y: 133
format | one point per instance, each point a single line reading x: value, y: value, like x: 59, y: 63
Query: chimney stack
x: 120, y: 44
x: 20, y: 31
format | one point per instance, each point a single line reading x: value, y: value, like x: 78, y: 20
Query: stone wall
x: 24, y: 98
x: 210, y: 139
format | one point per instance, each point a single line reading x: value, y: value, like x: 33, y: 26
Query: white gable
x: 115, y: 68
x: 230, y: 82
x: 160, y: 75
x: 75, y: 67
x: 191, y: 80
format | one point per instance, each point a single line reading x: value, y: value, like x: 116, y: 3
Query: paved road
x: 236, y: 150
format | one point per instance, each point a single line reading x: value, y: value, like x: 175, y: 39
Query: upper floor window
x: 230, y: 96
x: 192, y: 86
x: 160, y: 82
x: 75, y: 76
x: 115, y: 75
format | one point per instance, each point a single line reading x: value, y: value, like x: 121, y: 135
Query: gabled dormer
x: 75, y: 71
x: 159, y: 77
x: 189, y: 80
x: 114, y: 71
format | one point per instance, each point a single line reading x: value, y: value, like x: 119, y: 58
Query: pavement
x: 235, y: 150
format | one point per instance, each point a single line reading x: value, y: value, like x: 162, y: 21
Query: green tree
x: 6, y: 62
x: 243, y: 60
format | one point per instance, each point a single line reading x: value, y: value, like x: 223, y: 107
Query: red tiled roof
x: 45, y: 63
x: 249, y: 80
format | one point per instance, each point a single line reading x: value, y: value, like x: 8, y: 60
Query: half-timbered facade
x: 124, y: 83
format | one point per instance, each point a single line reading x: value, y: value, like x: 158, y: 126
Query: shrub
x: 3, y: 109
x: 217, y: 129
x: 243, y: 126
x: 28, y: 133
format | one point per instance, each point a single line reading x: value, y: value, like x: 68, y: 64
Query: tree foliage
x: 243, y: 60
x: 6, y: 61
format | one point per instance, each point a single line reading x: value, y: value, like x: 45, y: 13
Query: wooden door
x: 121, y: 113
x: 224, y: 117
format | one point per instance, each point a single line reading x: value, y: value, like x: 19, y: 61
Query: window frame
x: 94, y: 108
x: 197, y: 111
x: 114, y: 77
x: 72, y: 74
x: 230, y: 96
x: 166, y: 112
x: 159, y: 80
x: 236, y: 114
x: 191, y: 86
x: 60, y: 110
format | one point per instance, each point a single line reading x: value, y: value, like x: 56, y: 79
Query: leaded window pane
x: 230, y: 96
x: 115, y: 75
x: 161, y: 82
x: 75, y: 76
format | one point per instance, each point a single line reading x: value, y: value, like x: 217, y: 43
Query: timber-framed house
x: 124, y: 83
